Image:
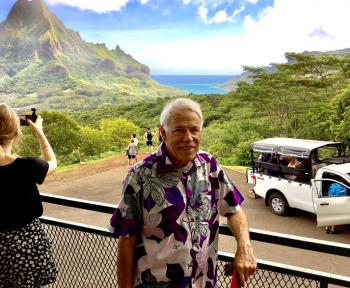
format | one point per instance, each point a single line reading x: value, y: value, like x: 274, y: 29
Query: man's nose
x: 188, y: 136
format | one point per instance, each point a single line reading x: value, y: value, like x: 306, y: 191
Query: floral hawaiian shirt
x: 174, y: 214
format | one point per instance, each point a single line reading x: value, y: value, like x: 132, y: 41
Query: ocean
x: 196, y: 84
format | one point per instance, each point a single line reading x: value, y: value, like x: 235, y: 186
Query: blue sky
x: 206, y: 36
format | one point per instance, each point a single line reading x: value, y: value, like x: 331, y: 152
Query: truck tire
x: 278, y: 204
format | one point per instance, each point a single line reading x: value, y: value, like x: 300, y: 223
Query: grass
x: 109, y: 154
x: 103, y: 157
x: 240, y: 169
x: 66, y: 168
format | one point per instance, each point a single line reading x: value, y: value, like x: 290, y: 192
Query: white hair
x: 179, y: 104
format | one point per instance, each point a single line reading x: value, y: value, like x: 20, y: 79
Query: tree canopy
x: 306, y: 97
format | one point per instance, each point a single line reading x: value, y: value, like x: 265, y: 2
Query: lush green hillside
x: 309, y: 98
x: 43, y: 63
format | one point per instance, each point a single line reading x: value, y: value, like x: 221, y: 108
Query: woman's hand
x: 37, y: 126
x: 45, y: 146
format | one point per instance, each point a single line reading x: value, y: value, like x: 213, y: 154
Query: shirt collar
x: 165, y: 165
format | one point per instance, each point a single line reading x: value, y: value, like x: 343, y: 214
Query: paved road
x: 102, y: 182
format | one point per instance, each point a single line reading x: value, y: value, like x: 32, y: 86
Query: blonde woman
x: 26, y: 258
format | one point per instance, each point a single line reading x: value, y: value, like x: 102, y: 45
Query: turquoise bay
x: 195, y: 84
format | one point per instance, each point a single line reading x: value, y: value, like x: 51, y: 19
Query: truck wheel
x: 278, y: 204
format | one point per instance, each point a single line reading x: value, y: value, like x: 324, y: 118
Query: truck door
x: 331, y: 208
x: 250, y: 176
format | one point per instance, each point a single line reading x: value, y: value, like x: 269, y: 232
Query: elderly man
x: 168, y: 217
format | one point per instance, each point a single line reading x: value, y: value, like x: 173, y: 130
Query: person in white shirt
x: 132, y: 152
x: 136, y: 141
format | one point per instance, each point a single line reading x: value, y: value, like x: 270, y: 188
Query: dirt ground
x: 64, y: 178
x: 89, y: 169
x: 102, y: 182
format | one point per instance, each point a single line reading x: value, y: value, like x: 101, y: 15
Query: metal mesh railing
x: 88, y: 260
x: 86, y: 255
x: 263, y: 278
x: 83, y: 259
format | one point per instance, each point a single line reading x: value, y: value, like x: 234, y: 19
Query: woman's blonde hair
x: 9, y: 127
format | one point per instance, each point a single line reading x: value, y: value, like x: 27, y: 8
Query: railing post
x: 324, y: 284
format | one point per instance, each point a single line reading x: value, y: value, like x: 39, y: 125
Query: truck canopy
x: 301, y: 148
x: 340, y: 168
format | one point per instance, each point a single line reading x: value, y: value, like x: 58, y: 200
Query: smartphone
x: 23, y: 118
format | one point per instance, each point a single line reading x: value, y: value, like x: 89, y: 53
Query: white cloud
x: 238, y: 11
x: 321, y: 33
x: 215, y: 3
x: 96, y: 6
x: 208, y: 3
x: 298, y: 25
x: 252, y: 1
x: 219, y: 17
x: 203, y: 13
x: 288, y: 26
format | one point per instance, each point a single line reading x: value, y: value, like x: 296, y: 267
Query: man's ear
x: 162, y: 132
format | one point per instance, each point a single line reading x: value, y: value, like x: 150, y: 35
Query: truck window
x: 324, y: 153
x: 334, y: 185
x: 330, y: 154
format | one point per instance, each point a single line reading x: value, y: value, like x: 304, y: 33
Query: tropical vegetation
x: 45, y: 64
x: 307, y: 97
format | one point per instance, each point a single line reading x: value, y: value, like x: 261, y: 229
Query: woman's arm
x: 45, y: 146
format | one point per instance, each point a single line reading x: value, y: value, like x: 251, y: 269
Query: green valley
x: 309, y: 98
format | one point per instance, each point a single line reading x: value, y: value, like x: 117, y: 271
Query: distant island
x: 246, y: 76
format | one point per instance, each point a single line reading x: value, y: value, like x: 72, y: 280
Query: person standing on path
x: 132, y: 152
x: 149, y: 139
x: 26, y: 258
x: 136, y: 141
x: 168, y: 218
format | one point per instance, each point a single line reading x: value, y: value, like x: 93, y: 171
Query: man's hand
x: 245, y: 262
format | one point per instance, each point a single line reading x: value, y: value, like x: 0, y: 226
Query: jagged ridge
x: 37, y: 53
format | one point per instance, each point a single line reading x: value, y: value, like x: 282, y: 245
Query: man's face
x: 184, y: 136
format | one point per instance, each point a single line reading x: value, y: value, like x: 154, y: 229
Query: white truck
x: 305, y: 187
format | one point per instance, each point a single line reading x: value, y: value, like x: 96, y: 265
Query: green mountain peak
x: 44, y: 63
x: 25, y: 14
